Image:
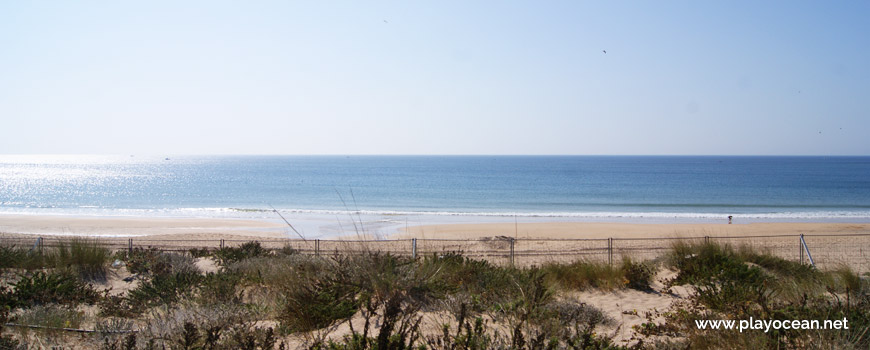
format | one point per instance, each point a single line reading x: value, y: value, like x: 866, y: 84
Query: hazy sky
x: 435, y: 77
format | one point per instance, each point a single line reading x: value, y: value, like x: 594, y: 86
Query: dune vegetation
x: 248, y: 297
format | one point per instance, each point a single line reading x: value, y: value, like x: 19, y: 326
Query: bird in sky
x: 605, y: 51
x: 385, y: 21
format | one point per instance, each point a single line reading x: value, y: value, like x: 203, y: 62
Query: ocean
x: 433, y: 189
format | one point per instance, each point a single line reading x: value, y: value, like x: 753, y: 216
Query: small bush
x: 154, y: 262
x: 776, y: 265
x: 723, y: 281
x: 142, y: 260
x: 845, y: 280
x: 12, y: 256
x: 221, y: 287
x: 582, y: 275
x: 120, y: 306
x: 199, y: 252
x: 452, y: 273
x: 165, y: 289
x: 57, y: 287
x: 316, y: 305
x: 7, y: 299
x: 316, y: 293
x: 87, y: 257
x: 51, y: 315
x: 228, y: 255
x: 286, y: 250
x: 257, y: 338
x: 637, y: 275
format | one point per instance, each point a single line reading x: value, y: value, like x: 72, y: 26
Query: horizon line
x: 422, y: 155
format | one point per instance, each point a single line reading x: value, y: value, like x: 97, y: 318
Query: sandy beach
x: 117, y: 227
x: 582, y: 230
x: 216, y: 228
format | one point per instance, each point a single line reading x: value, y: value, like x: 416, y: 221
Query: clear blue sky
x: 435, y: 77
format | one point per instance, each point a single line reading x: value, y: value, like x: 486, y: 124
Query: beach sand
x: 106, y: 227
x: 830, y: 243
x: 216, y: 228
x: 584, y: 230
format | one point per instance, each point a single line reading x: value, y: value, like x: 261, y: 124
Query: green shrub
x: 637, y: 275
x: 526, y: 310
x: 155, y: 262
x: 277, y: 271
x: 453, y: 273
x: 12, y: 256
x: 246, y: 338
x: 317, y: 304
x: 7, y: 299
x: 228, y: 255
x: 316, y: 293
x: 165, y: 289
x: 776, y: 265
x: 87, y: 257
x: 286, y: 250
x: 723, y: 281
x: 142, y: 260
x: 582, y: 275
x: 845, y: 280
x: 60, y: 287
x: 734, y: 287
x: 199, y: 252
x: 51, y: 315
x: 220, y: 287
x: 119, y: 306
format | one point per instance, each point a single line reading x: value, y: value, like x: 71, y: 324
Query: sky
x: 435, y: 77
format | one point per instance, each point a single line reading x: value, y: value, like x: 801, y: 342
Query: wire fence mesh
x: 827, y: 251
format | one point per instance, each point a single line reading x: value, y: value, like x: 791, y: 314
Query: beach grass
x: 260, y: 298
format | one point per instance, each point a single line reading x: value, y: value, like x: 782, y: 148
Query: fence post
x: 316, y: 247
x: 706, y: 239
x: 513, y: 240
x: 610, y: 251
x: 800, y: 251
x: 130, y: 246
x: 222, y: 244
x: 807, y: 249
x: 413, y: 248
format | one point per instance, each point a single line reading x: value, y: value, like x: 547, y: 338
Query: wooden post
x: 130, y: 246
x: 610, y: 251
x: 800, y: 250
x: 222, y: 244
x: 317, y: 247
x: 414, y: 248
x: 512, y: 251
x: 706, y: 239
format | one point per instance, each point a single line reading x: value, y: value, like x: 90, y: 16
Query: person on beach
x: 729, y: 219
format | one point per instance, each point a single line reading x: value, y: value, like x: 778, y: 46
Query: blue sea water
x: 580, y: 187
